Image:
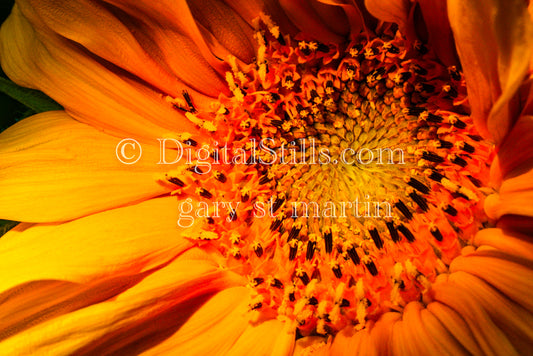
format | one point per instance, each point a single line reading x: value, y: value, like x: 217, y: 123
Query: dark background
x: 10, y: 109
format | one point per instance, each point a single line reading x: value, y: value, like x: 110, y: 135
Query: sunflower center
x: 340, y: 180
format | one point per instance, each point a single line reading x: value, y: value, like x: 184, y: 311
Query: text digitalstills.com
x: 265, y: 152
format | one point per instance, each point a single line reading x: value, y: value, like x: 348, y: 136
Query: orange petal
x: 212, y: 329
x: 55, y: 169
x: 512, y: 243
x: 381, y: 333
x: 250, y: 9
x: 177, y: 15
x: 515, y: 153
x: 131, y: 239
x: 135, y: 46
x: 512, y: 319
x: 396, y: 11
x: 87, y: 89
x: 350, y: 341
x: 440, y: 33
x: 491, y: 339
x: 512, y: 276
x: 226, y: 27
x: 494, y: 40
x: 93, y: 26
x: 352, y: 12
x: 456, y: 325
x: 514, y: 197
x: 136, y: 319
x: 308, y: 21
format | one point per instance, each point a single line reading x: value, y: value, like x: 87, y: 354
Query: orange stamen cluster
x: 292, y: 147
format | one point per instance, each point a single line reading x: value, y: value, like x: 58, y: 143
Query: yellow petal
x: 494, y: 40
x: 129, y: 239
x: 311, y: 345
x: 144, y: 315
x: 54, y: 168
x: 354, y: 342
x: 212, y: 329
x: 87, y: 89
x: 268, y: 338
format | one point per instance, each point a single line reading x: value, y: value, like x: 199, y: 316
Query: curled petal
x: 396, y: 11
x: 93, y: 26
x: 87, y: 89
x: 223, y: 318
x: 86, y: 175
x: 227, y: 28
x: 308, y: 21
x: 249, y: 9
x: 147, y: 313
x: 506, y: 273
x: 494, y: 40
x: 440, y: 33
x: 512, y: 243
x: 515, y: 154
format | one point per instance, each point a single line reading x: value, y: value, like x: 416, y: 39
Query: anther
x: 293, y: 249
x: 371, y: 267
x: 406, y: 232
x: 392, y: 231
x: 176, y: 181
x: 310, y: 250
x: 432, y: 157
x: 276, y: 283
x: 352, y: 253
x: 204, y: 193
x: 328, y: 240
x: 404, y: 209
x: 436, y: 176
x: 421, y: 187
x: 445, y: 144
x: 300, y: 273
x: 458, y: 161
x: 376, y: 238
x: 220, y: 176
x: 436, y: 232
x: 420, y: 201
x: 258, y: 249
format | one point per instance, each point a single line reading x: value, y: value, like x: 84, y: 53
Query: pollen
x: 352, y: 176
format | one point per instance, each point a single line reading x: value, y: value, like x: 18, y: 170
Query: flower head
x: 342, y: 180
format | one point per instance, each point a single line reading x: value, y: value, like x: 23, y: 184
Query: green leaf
x: 33, y: 99
x: 6, y: 225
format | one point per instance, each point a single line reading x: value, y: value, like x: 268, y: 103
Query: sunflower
x: 304, y: 177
